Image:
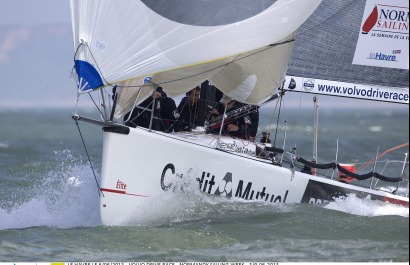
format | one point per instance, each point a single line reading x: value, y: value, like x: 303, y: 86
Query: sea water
x: 49, y: 202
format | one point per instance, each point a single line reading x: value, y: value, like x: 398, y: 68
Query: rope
x: 380, y: 155
x: 89, y: 160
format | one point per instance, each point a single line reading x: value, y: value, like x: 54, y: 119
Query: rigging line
x: 76, y: 105
x: 380, y: 155
x: 76, y: 51
x: 139, y: 114
x: 324, y: 21
x: 89, y: 160
x: 270, y: 123
x: 299, y: 111
x: 207, y: 71
x: 92, y: 55
x: 92, y: 99
x: 99, y: 110
x: 277, y: 121
x: 273, y: 116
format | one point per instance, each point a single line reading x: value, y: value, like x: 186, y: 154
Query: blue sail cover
x: 88, y: 77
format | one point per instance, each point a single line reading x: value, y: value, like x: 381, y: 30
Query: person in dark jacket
x: 244, y: 125
x: 188, y: 110
x: 163, y: 112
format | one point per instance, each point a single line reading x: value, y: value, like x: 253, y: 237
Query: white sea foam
x: 73, y: 202
x: 367, y: 207
x: 375, y: 128
x: 180, y: 203
x: 185, y: 202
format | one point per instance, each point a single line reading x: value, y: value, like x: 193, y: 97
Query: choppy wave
x: 64, y: 199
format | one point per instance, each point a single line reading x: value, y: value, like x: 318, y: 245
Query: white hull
x: 139, y: 166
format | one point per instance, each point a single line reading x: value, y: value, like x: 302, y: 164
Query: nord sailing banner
x: 384, y: 35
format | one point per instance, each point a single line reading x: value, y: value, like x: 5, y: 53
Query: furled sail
x: 179, y: 43
x: 354, y: 48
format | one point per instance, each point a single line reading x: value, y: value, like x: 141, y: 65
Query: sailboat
x: 254, y: 51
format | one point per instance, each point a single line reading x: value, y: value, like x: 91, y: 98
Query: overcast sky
x: 34, y: 12
x: 36, y: 54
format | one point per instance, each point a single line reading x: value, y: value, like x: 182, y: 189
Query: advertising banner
x: 348, y: 90
x: 384, y: 35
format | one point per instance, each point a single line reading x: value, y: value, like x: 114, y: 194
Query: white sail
x: 117, y: 41
x: 254, y: 77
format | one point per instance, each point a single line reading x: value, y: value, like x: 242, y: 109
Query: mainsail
x: 325, y: 58
x: 177, y: 44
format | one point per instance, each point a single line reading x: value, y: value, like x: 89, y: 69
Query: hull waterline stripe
x: 396, y: 201
x: 121, y: 192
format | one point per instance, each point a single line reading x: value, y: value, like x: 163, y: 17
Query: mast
x: 315, y: 131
